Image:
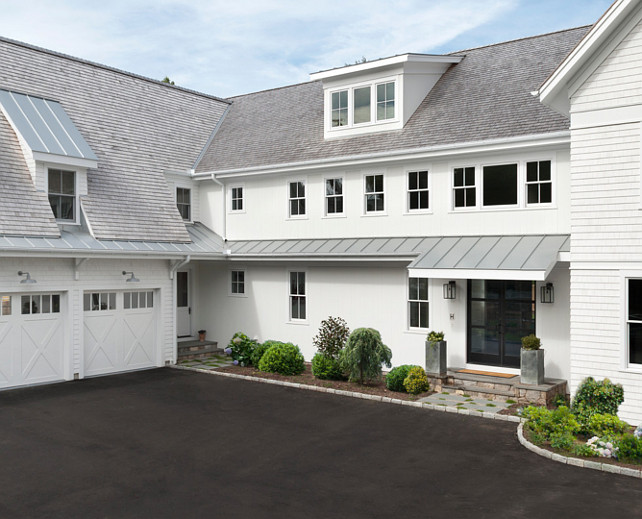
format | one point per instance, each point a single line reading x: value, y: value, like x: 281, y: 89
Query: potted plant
x: 436, y: 353
x: 201, y: 335
x: 532, y: 360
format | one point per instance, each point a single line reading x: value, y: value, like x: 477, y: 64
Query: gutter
x: 448, y: 150
x: 177, y: 265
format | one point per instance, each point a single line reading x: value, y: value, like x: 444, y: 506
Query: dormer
x: 55, y: 152
x: 379, y: 95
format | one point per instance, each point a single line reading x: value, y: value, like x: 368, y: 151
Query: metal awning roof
x: 205, y: 243
x: 530, y: 257
x: 45, y: 127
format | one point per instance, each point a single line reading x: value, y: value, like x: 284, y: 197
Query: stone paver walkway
x: 210, y: 362
x: 480, y: 405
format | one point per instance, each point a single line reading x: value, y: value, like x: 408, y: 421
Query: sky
x: 232, y: 47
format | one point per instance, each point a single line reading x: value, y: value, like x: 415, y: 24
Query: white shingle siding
x: 606, y: 221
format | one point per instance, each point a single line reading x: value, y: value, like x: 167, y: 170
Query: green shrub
x: 332, y: 337
x: 327, y: 368
x: 434, y: 336
x: 531, y: 342
x: 284, y: 358
x: 259, y: 351
x: 562, y: 440
x: 546, y: 423
x: 630, y: 448
x: 593, y: 397
x: 396, y: 376
x: 364, y: 354
x: 581, y: 449
x: 416, y: 382
x: 559, y: 400
x: 606, y: 425
x: 241, y: 348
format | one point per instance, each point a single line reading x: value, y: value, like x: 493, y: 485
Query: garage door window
x: 99, y: 301
x: 133, y: 300
x: 5, y: 305
x: 40, y: 304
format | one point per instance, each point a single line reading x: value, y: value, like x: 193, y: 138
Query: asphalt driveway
x: 169, y: 443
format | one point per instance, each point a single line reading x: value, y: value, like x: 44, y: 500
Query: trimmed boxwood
x: 327, y: 368
x: 260, y: 350
x: 284, y: 358
x: 396, y: 376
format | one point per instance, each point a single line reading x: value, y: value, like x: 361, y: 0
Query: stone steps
x: 188, y: 350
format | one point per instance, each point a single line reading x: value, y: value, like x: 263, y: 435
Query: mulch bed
x: 374, y: 388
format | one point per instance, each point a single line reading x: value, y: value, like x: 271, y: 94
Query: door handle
x: 189, y: 310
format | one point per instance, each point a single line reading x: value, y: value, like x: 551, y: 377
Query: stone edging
x: 576, y: 462
x: 353, y: 394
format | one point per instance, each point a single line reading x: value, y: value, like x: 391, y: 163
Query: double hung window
x: 296, y: 192
x: 374, y: 194
x: 539, y: 184
x: 418, y: 302
x: 237, y: 198
x: 297, y: 296
x: 333, y: 196
x: 62, y: 194
x: 634, y: 321
x: 464, y: 187
x: 184, y: 203
x: 417, y: 190
x: 238, y: 282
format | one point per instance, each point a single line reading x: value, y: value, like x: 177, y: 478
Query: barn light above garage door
x: 132, y: 278
x: 26, y: 279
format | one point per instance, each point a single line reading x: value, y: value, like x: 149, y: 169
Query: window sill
x: 375, y: 213
x: 417, y: 331
x: 634, y: 368
x: 298, y: 322
x: 295, y: 218
x: 242, y: 296
x: 236, y: 212
x: 334, y: 216
x: 418, y: 212
x: 500, y: 209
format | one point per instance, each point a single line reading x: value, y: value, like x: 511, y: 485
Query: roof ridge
x: 228, y: 99
x: 108, y: 67
x: 519, y: 39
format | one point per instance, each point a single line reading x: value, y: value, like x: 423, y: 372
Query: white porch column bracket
x: 178, y: 264
x: 77, y: 264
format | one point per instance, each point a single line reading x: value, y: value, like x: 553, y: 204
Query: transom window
x: 417, y: 190
x: 5, y: 305
x: 340, y: 108
x: 297, y: 296
x: 374, y: 194
x: 297, y: 198
x: 134, y: 300
x: 634, y: 321
x: 500, y: 185
x: 386, y: 101
x: 237, y: 198
x: 184, y: 202
x: 238, y: 282
x: 418, y: 302
x: 334, y: 196
x: 62, y: 194
x: 464, y: 187
x: 99, y: 301
x: 539, y: 185
x: 39, y: 304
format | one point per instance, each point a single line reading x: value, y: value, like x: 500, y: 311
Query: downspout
x: 177, y: 265
x: 217, y: 181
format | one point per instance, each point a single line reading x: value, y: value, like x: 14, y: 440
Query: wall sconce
x: 450, y: 290
x: 547, y: 293
x: 132, y: 278
x: 27, y: 279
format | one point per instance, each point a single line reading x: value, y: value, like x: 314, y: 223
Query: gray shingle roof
x: 486, y: 96
x: 137, y: 128
x: 23, y: 210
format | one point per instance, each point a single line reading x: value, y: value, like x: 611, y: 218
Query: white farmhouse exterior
x: 509, y: 171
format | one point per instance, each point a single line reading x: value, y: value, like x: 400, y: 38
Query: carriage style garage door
x: 119, y: 331
x: 31, y: 339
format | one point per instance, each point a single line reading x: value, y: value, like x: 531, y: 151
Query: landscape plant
x: 545, y: 424
x: 416, y: 382
x: 596, y: 397
x: 531, y: 342
x: 284, y: 358
x: 327, y: 368
x: 259, y: 351
x: 332, y: 336
x: 364, y: 354
x: 396, y: 376
x: 240, y: 348
x: 434, y: 336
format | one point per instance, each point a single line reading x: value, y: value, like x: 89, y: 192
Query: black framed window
x: 297, y: 296
x: 539, y: 184
x: 374, y: 193
x: 500, y: 185
x: 237, y: 198
x: 238, y: 282
x: 297, y: 198
x: 62, y: 194
x: 634, y: 320
x: 418, y: 302
x: 464, y: 188
x: 418, y: 190
x: 334, y: 196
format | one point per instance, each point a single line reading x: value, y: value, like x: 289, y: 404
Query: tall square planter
x: 436, y: 357
x: 532, y: 366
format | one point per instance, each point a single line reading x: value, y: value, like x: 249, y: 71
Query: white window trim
x: 364, y: 202
x: 408, y: 301
x: 191, y: 204
x: 229, y: 283
x: 290, y: 320
x: 521, y: 184
x: 230, y: 199
x: 625, y: 275
x: 406, y: 202
x: 373, y: 104
x: 342, y: 214
x: 60, y: 221
x: 289, y: 216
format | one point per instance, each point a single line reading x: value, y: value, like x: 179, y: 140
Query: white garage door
x: 119, y: 331
x: 31, y: 339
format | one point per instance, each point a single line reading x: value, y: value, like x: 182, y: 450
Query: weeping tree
x: 364, y: 354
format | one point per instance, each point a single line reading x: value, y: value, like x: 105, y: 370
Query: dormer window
x: 62, y: 194
x: 353, y: 107
x: 340, y: 108
x: 386, y: 101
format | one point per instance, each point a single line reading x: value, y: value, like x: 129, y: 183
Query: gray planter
x: 532, y: 366
x: 436, y: 357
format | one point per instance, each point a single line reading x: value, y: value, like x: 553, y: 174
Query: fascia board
x: 521, y: 143
x: 65, y: 160
x: 522, y: 275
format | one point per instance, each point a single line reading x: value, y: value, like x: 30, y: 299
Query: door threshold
x: 186, y: 338
x: 494, y: 369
